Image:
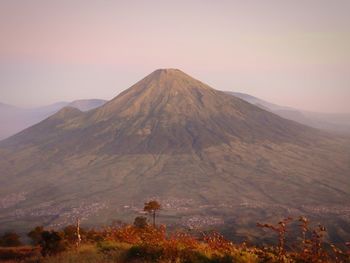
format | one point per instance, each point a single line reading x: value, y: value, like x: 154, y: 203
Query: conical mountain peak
x: 170, y: 78
x: 169, y: 74
x: 169, y: 110
x: 164, y: 90
x: 168, y: 71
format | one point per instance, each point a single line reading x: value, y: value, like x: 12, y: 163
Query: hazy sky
x: 294, y: 52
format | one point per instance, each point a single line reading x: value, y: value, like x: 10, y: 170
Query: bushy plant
x: 145, y: 253
x: 35, y: 235
x: 10, y: 239
x: 52, y: 243
x: 24, y: 254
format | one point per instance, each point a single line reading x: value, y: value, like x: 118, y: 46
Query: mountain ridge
x: 338, y: 123
x: 16, y: 119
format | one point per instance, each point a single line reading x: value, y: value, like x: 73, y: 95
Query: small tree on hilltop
x: 152, y: 207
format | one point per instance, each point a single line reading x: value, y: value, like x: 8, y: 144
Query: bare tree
x: 78, y: 233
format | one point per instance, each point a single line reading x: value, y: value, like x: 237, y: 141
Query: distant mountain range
x: 14, y: 119
x: 332, y: 122
x: 212, y: 159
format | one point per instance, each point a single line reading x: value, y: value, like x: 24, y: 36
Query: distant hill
x: 14, y: 119
x: 86, y: 105
x: 6, y: 107
x: 212, y: 159
x: 333, y: 122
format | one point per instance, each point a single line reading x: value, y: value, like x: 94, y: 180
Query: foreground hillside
x: 144, y: 243
x: 213, y: 159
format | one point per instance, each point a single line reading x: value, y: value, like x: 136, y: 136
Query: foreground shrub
x: 35, y: 235
x: 10, y: 239
x: 312, y: 249
x: 52, y: 243
x: 93, y: 236
x: 145, y: 253
x: 140, y: 222
x: 85, y: 254
x: 193, y: 256
x: 70, y: 234
x: 19, y: 253
x: 145, y: 243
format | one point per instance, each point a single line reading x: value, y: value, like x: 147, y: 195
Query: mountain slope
x: 202, y: 152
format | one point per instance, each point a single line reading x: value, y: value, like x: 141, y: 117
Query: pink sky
x: 294, y: 53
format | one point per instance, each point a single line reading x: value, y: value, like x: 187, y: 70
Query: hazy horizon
x: 288, y: 53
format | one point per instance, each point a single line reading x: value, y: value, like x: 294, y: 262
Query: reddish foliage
x: 216, y: 242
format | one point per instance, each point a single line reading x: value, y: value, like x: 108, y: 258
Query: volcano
x: 201, y: 152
